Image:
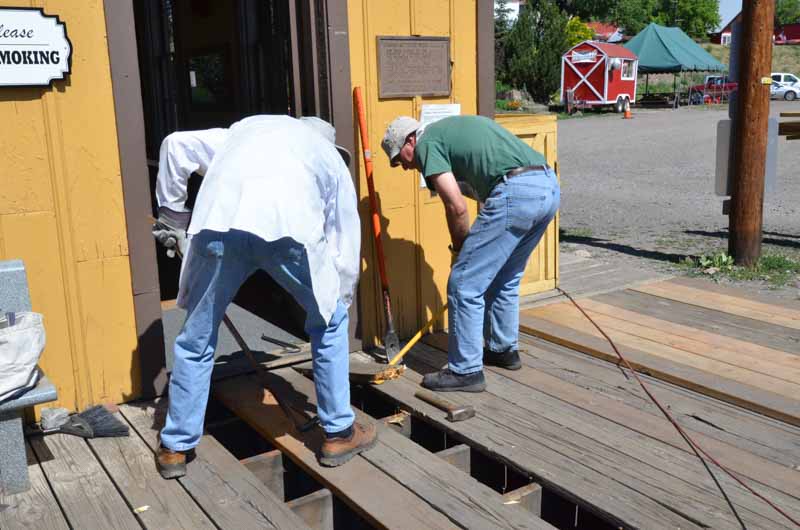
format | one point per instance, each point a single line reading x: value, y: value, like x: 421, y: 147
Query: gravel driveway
x: 643, y: 189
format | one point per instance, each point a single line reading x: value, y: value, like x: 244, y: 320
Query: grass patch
x: 576, y: 232
x: 777, y: 270
x: 784, y: 58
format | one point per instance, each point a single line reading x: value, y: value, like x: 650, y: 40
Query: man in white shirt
x: 276, y: 196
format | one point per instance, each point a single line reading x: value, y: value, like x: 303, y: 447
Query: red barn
x: 598, y: 74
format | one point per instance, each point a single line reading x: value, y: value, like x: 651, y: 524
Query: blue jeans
x: 483, y: 289
x: 218, y: 263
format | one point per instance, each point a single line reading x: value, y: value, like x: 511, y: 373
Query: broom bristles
x: 104, y: 423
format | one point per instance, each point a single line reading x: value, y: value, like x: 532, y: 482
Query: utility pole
x: 752, y: 119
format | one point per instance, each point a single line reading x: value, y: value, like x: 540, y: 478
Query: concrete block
x: 13, y: 461
x: 14, y: 295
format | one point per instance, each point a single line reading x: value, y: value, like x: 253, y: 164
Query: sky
x: 727, y: 9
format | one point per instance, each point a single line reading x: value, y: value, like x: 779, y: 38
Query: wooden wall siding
x: 540, y: 132
x: 415, y: 230
x: 61, y: 211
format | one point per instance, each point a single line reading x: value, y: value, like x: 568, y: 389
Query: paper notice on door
x: 432, y: 113
x: 435, y: 112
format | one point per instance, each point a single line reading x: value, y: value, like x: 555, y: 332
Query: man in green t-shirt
x: 519, y: 193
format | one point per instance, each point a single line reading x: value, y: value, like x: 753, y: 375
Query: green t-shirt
x: 476, y: 149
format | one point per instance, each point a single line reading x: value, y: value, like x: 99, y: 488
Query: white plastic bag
x: 20, y: 348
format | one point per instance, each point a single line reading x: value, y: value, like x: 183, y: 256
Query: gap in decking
x: 565, y: 514
x: 484, y: 468
x: 371, y: 403
x: 244, y: 442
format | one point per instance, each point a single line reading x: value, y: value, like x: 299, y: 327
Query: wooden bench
x: 14, y: 296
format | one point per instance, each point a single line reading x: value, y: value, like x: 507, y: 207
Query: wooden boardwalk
x: 395, y: 485
x: 716, y: 342
x: 112, y: 483
x: 568, y: 436
x: 725, y: 363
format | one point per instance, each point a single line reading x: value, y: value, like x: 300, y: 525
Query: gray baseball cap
x: 396, y: 135
x: 327, y: 131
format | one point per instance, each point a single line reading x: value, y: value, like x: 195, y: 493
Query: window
x: 627, y: 69
x: 791, y: 79
x: 776, y: 77
x: 725, y: 39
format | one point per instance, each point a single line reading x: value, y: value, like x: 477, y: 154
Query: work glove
x: 453, y: 255
x: 170, y: 230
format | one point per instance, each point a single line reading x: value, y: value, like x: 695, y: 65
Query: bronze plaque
x: 413, y: 66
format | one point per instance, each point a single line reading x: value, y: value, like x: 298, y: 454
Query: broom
x: 94, y: 422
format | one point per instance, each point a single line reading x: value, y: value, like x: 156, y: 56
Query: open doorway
x: 210, y: 63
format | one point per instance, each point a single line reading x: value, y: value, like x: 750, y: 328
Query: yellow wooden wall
x: 415, y: 230
x: 540, y: 132
x: 61, y: 211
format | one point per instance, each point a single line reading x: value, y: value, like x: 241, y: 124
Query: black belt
x: 520, y: 170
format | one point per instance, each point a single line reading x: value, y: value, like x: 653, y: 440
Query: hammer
x: 454, y: 412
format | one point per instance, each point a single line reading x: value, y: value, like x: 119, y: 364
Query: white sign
x: 722, y: 181
x: 584, y: 57
x: 433, y: 112
x: 34, y: 48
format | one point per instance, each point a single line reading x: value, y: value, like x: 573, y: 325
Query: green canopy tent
x: 670, y: 50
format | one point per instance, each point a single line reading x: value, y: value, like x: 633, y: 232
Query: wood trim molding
x: 485, y: 52
x: 124, y: 61
x: 341, y: 93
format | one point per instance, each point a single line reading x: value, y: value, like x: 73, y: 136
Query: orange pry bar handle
x: 373, y: 204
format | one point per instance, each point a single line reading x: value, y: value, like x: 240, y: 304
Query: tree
x: 697, y: 18
x: 502, y: 25
x: 577, y: 32
x: 587, y: 9
x: 534, y: 47
x: 633, y: 15
x: 787, y: 12
x: 502, y: 17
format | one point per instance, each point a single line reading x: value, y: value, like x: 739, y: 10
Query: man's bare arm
x: 455, y: 207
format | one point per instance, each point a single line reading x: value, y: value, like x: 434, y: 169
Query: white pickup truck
x: 783, y: 78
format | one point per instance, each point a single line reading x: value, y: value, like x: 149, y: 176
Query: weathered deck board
x: 131, y: 466
x: 590, y: 277
x: 708, y: 285
x: 752, y: 398
x: 741, y: 328
x: 752, y: 432
x: 733, y: 367
x: 369, y: 498
x: 231, y: 495
x: 769, y: 313
x: 766, y: 360
x: 780, y: 477
x: 672, y: 473
x: 35, y: 509
x: 537, y: 447
x: 86, y: 494
x: 453, y: 493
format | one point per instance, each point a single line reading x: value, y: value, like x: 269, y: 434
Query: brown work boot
x: 172, y: 464
x: 337, y: 451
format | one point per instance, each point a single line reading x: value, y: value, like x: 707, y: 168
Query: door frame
x: 126, y: 86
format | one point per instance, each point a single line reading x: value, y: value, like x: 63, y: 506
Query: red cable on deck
x: 689, y: 440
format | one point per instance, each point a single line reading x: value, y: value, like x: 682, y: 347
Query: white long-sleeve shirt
x: 274, y: 177
x: 183, y: 153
